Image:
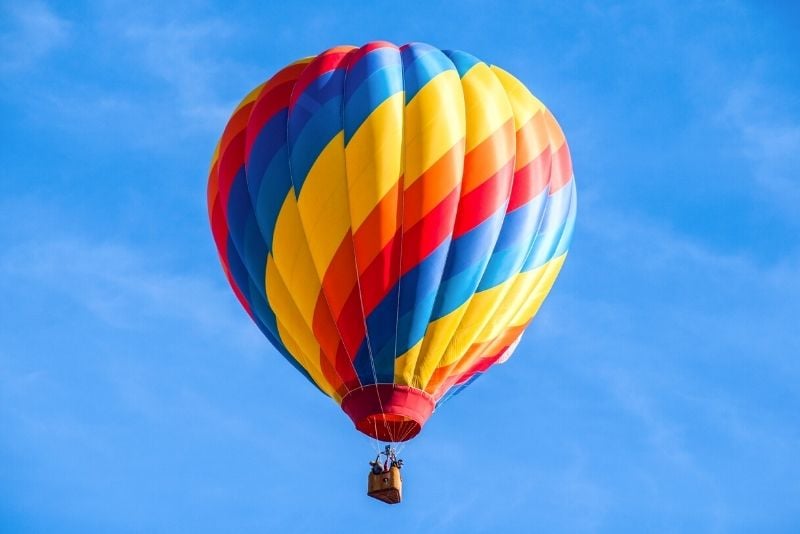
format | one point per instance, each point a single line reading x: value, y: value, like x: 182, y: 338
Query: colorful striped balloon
x: 391, y: 218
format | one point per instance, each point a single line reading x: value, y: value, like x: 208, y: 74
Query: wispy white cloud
x: 770, y: 139
x: 660, y: 322
x: 180, y: 55
x: 34, y: 30
x: 164, y: 80
x: 124, y: 289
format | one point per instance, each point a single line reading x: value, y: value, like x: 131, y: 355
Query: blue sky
x: 656, y: 391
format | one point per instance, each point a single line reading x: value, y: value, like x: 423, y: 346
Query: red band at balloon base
x: 388, y: 412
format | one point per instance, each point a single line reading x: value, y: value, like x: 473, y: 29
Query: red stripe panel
x: 530, y: 180
x: 561, y: 173
x: 325, y: 62
x: 332, y: 350
x: 288, y: 73
x: 330, y: 373
x: 340, y: 277
x: 273, y: 97
x: 269, y: 102
x: 480, y: 366
x: 367, y: 48
x: 219, y: 228
x: 236, y: 125
x: 344, y: 366
x: 477, y: 205
x: 484, y: 160
x: 351, y: 323
x: 434, y: 184
x: 230, y: 162
x: 423, y: 238
x: 459, y: 372
x: 213, y: 187
x: 378, y: 259
x: 381, y: 275
x: 339, y: 295
x: 381, y: 223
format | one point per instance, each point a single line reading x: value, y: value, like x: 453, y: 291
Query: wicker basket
x: 386, y: 487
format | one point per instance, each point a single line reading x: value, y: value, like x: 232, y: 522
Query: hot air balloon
x: 391, y: 218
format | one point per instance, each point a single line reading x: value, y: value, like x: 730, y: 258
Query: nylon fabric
x: 392, y: 215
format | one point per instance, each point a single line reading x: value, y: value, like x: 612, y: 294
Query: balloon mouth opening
x: 388, y: 412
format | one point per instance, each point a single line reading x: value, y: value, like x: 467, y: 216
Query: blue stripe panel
x: 307, y: 143
x: 569, y: 228
x: 466, y: 263
x: 417, y: 294
x: 263, y: 316
x: 463, y: 61
x: 381, y: 328
x: 421, y: 63
x: 455, y: 390
x: 244, y: 240
x: 363, y: 364
x: 553, y: 226
x: 244, y: 231
x: 269, y: 199
x: 370, y: 62
x: 322, y: 90
x: 514, y: 243
x: 376, y: 77
x: 268, y: 143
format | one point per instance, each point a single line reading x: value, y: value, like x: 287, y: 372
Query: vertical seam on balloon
x: 347, y: 60
x: 280, y: 338
x: 534, y: 240
x: 311, y: 358
x: 305, y: 242
x: 503, y: 208
x: 417, y: 363
x: 250, y: 278
x: 414, y: 379
x: 402, y: 208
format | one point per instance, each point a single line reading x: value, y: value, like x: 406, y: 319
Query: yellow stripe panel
x: 487, y: 108
x: 215, y: 156
x: 293, y: 261
x: 528, y: 291
x: 434, y: 122
x: 535, y: 141
x: 304, y: 361
x: 527, y: 109
x: 487, y: 112
x: 437, y: 338
x: 535, y: 298
x: 323, y: 205
x: 525, y: 105
x: 482, y: 307
x: 404, y: 366
x: 524, y: 285
x: 554, y: 132
x: 307, y: 59
x: 251, y: 96
x: 374, y: 158
x: 292, y: 328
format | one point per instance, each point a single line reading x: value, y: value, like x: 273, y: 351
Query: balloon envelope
x: 391, y: 218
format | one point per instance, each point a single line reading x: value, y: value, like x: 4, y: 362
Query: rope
x: 358, y: 280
